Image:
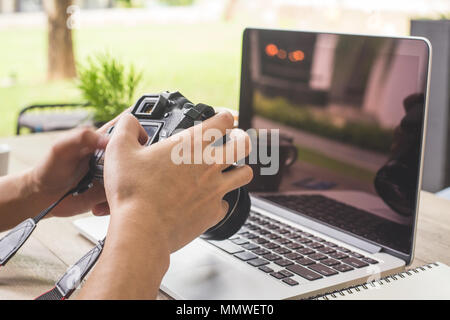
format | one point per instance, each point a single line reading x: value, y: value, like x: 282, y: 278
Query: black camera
x: 162, y: 115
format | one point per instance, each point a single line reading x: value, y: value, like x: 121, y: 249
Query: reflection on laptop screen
x: 350, y: 110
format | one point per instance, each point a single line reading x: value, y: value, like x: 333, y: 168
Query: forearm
x: 130, y: 267
x: 19, y: 199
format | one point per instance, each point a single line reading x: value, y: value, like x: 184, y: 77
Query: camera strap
x: 73, y: 277
x: 14, y: 239
x: 67, y: 284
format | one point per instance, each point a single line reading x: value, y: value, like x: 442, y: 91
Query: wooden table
x: 56, y: 244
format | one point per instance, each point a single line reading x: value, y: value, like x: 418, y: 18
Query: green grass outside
x: 200, y: 60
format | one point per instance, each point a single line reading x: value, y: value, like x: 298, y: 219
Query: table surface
x: 56, y: 244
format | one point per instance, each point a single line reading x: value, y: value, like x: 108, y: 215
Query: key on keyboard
x: 328, y: 260
x: 245, y: 256
x: 258, y: 262
x: 227, y: 246
x: 303, y: 272
x: 324, y: 270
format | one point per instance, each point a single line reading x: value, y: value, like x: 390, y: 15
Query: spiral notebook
x: 431, y: 281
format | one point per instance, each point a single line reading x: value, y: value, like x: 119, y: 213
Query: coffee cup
x: 4, y: 159
x: 287, y: 155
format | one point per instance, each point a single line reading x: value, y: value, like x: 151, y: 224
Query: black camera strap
x: 73, y: 277
x: 14, y: 239
x: 67, y: 284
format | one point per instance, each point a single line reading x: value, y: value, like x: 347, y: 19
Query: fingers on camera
x: 101, y: 209
x: 223, y: 212
x: 220, y: 124
x: 103, y: 129
x: 222, y: 121
x: 79, y: 143
x: 237, y: 148
x: 129, y: 131
x: 237, y: 177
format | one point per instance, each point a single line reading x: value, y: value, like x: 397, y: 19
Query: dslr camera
x: 164, y: 114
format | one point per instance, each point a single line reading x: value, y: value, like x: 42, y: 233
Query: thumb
x: 128, y: 132
x: 78, y: 144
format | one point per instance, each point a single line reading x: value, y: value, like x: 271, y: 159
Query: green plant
x: 126, y: 3
x: 130, y: 3
x: 108, y: 85
x: 177, y: 2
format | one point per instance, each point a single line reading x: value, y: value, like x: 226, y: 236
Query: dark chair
x: 52, y: 117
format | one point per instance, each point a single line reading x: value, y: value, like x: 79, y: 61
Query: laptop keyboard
x: 283, y: 251
x: 347, y: 217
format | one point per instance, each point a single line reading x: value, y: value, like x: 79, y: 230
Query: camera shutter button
x: 163, y: 133
x: 192, y: 113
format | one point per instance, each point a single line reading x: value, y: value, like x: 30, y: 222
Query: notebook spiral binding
x: 374, y: 283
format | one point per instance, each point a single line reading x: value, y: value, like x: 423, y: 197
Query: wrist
x: 33, y: 183
x: 139, y: 250
x: 35, y: 190
x: 37, y: 187
x: 130, y: 266
x: 21, y: 201
x: 30, y: 185
x: 138, y: 234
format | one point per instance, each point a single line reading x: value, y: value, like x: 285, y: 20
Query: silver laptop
x: 341, y: 208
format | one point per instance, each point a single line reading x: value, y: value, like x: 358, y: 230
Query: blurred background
x: 59, y: 51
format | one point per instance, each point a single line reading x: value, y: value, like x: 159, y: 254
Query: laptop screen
x: 349, y: 114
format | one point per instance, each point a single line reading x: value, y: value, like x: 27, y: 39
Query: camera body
x: 164, y: 114
x: 161, y: 115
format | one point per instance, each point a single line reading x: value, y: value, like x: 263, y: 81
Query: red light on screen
x: 271, y: 50
x: 297, y: 55
x: 282, y: 54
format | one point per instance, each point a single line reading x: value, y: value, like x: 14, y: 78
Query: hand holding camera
x: 213, y: 190
x: 153, y: 200
x: 173, y: 203
x: 156, y: 214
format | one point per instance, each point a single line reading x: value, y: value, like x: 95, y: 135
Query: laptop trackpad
x: 197, y: 271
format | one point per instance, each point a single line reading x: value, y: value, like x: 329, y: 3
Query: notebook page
x: 427, y: 282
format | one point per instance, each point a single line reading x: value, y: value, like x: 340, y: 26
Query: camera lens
x: 238, y: 211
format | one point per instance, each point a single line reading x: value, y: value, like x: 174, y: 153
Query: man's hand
x: 157, y: 206
x: 25, y: 194
x: 65, y: 165
x: 62, y: 169
x: 177, y: 202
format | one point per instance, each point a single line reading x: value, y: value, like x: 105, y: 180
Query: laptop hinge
x: 262, y: 206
